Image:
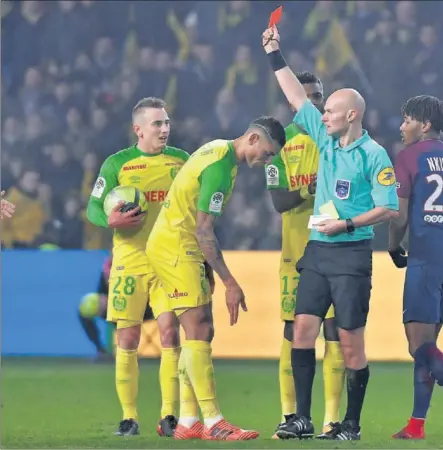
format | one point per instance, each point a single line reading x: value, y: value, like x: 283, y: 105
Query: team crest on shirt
x: 272, y: 175
x: 386, y: 177
x: 216, y: 202
x: 342, y: 189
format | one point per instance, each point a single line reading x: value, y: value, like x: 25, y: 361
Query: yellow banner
x: 258, y: 333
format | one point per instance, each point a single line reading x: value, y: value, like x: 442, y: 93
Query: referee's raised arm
x: 308, y: 117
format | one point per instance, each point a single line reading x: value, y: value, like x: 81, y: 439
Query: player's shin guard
x: 429, y: 354
x: 188, y: 401
x: 287, y: 389
x: 303, y: 369
x: 169, y: 381
x: 357, y: 381
x: 334, y: 377
x: 198, y: 360
x: 423, y: 387
x: 126, y: 380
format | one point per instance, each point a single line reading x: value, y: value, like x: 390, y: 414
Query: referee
x: 356, y: 183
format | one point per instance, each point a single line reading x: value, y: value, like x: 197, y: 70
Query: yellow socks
x: 287, y: 389
x: 126, y: 381
x: 188, y: 401
x: 169, y: 381
x: 334, y: 376
x: 198, y: 366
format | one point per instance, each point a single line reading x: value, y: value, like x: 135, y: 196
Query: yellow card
x: 329, y: 209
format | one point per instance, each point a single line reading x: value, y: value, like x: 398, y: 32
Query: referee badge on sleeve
x: 342, y: 189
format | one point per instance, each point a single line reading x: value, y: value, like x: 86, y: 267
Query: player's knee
x: 170, y: 337
x: 305, y: 329
x: 198, y: 324
x: 128, y: 338
x: 330, y: 330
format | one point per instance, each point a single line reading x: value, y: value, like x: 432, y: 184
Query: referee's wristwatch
x: 350, y: 227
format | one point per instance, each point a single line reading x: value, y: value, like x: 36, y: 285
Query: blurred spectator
x: 32, y: 92
x: 77, y: 134
x: 28, y: 221
x: 243, y: 78
x: 228, y: 120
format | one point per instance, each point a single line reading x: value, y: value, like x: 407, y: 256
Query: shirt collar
x: 364, y: 138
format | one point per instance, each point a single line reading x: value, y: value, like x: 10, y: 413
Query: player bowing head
x: 263, y: 139
x: 422, y: 119
x: 151, y: 123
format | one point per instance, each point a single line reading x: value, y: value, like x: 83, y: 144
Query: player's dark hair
x: 148, y: 102
x: 272, y: 127
x: 308, y: 78
x: 425, y: 108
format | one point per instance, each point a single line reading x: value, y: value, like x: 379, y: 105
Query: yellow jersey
x: 294, y: 168
x: 150, y: 174
x: 204, y: 184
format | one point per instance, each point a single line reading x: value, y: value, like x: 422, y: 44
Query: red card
x: 275, y: 17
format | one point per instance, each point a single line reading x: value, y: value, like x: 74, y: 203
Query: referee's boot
x: 297, y: 428
x: 127, y: 427
x: 167, y: 426
x: 348, y: 430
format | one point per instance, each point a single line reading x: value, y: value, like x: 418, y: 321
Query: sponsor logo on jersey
x: 398, y: 185
x: 173, y: 164
x: 293, y: 159
x: 99, y: 187
x: 304, y: 180
x: 342, y: 189
x: 155, y: 196
x: 272, y: 175
x: 216, y: 202
x: 120, y: 268
x: 135, y: 167
x: 292, y: 148
x: 433, y: 218
x: 287, y: 260
x: 177, y: 294
x: 134, y: 179
x: 386, y: 177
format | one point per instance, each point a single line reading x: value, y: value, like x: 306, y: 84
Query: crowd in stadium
x: 66, y: 103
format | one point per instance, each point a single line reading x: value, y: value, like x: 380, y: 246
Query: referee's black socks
x: 357, y: 381
x: 303, y: 370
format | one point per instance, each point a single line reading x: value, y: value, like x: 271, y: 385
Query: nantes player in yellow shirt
x: 291, y: 179
x: 182, y: 238
x: 150, y: 166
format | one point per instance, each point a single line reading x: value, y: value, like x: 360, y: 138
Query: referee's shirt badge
x: 342, y: 189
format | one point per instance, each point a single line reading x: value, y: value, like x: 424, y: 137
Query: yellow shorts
x: 184, y: 283
x: 288, y: 294
x: 129, y: 296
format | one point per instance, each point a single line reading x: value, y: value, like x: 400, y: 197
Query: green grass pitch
x: 51, y: 403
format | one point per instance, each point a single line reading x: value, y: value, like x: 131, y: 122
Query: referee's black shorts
x: 337, y: 273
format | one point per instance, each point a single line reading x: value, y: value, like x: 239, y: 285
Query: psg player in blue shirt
x: 419, y: 172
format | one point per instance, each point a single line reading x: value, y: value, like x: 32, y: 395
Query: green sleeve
x: 276, y: 174
x: 106, y: 181
x: 215, y: 184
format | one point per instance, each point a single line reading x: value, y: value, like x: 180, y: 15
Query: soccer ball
x: 128, y: 194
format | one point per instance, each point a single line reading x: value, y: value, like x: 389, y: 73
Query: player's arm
x: 277, y: 184
x: 106, y: 181
x: 308, y: 117
x: 399, y: 225
x: 215, y: 182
